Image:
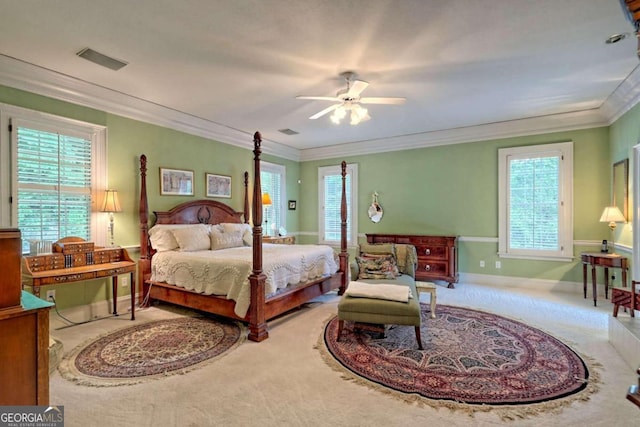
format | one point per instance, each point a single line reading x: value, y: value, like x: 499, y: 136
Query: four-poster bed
x: 261, y: 307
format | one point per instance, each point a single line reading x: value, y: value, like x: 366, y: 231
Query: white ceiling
x: 238, y: 65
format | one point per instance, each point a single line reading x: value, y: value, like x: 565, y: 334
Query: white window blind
x: 272, y: 180
x: 534, y: 203
x: 535, y: 213
x: 330, y: 192
x: 53, y: 183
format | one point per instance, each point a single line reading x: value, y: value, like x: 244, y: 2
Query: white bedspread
x: 226, y: 272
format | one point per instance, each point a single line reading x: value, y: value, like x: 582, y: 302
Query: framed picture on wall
x: 218, y: 185
x: 176, y: 182
x: 292, y: 205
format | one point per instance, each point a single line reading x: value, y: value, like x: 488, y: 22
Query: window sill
x: 565, y: 258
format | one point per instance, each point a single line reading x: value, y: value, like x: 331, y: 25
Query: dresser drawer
x: 433, y: 267
x: 432, y: 252
x: 422, y: 240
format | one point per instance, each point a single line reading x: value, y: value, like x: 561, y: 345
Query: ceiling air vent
x: 288, y: 131
x: 100, y: 59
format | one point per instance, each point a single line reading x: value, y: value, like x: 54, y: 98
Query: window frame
x: 352, y: 205
x: 274, y: 168
x: 12, y: 116
x: 564, y: 150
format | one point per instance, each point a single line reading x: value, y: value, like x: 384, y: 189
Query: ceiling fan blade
x: 384, y: 100
x: 319, y: 98
x: 356, y: 88
x: 325, y: 111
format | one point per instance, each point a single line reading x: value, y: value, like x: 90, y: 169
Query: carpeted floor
x: 472, y: 360
x: 284, y: 381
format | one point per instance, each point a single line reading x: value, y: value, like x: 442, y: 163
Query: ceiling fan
x: 349, y: 100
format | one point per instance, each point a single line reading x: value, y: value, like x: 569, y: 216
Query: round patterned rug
x: 150, y: 350
x: 471, y: 359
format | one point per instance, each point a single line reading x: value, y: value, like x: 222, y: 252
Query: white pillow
x: 192, y: 238
x: 162, y: 238
x: 245, y: 229
x: 219, y: 240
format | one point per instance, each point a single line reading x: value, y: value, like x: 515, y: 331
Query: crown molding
x: 513, y: 128
x: 25, y: 76
x: 625, y: 97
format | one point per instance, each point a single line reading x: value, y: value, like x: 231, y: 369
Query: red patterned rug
x: 471, y: 359
x: 150, y: 350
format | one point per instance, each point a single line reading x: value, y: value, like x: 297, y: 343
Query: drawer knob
x: 427, y: 267
x: 427, y: 251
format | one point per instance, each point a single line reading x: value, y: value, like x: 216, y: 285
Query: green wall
x: 127, y: 140
x: 452, y: 190
x: 624, y: 134
x: 449, y: 189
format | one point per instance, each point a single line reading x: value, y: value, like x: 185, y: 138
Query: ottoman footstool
x: 380, y: 311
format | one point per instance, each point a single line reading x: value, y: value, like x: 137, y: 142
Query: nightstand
x: 282, y: 240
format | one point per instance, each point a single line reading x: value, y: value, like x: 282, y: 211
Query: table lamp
x: 612, y: 215
x: 266, y: 202
x: 111, y: 204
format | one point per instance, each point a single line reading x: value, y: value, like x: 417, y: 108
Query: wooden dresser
x: 437, y: 255
x: 79, y: 261
x: 24, y: 333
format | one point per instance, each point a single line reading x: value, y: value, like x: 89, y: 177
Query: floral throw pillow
x: 377, y: 267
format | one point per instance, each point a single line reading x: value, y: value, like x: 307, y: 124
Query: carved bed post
x: 257, y: 322
x: 344, y: 255
x: 144, y: 264
x: 246, y: 197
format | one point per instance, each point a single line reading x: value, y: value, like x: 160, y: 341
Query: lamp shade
x: 266, y: 199
x: 111, y: 202
x: 612, y: 214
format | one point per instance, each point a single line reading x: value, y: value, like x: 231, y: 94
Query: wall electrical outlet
x: 498, y: 264
x: 124, y: 282
x: 482, y: 264
x: 51, y: 295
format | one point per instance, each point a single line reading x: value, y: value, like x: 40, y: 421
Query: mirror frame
x: 621, y: 169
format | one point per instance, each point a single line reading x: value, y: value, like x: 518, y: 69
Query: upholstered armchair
x: 405, y: 258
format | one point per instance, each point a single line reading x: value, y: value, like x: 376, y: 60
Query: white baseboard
x: 526, y: 282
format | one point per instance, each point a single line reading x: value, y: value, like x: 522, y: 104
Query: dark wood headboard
x: 200, y: 211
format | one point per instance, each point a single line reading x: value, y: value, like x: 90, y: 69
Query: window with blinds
x: 53, y: 180
x: 330, y: 195
x: 534, y: 209
x: 536, y: 201
x: 272, y: 180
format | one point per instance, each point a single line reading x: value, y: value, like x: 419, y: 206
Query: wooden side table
x: 282, y: 240
x: 605, y: 260
x: 58, y: 268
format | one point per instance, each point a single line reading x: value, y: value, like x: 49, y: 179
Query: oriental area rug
x: 150, y: 351
x: 472, y: 361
